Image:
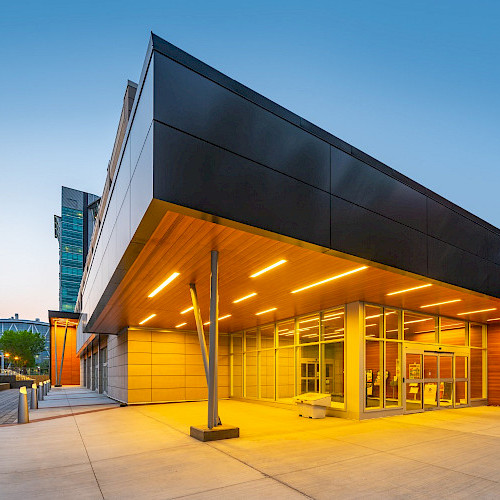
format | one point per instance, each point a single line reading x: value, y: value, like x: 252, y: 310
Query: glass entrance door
x: 435, y: 380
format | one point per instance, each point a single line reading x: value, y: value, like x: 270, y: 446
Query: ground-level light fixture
x: 164, y: 284
x: 241, y: 299
x: 327, y: 280
x: 147, y: 319
x: 268, y: 268
x: 410, y: 289
x: 266, y: 311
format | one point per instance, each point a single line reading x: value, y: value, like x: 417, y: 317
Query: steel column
x: 199, y: 327
x: 214, y: 341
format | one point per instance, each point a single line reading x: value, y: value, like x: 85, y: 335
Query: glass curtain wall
x: 280, y: 360
x: 386, y: 330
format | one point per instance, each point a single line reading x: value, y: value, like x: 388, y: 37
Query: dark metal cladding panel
x: 366, y: 186
x: 194, y: 174
x: 360, y: 232
x: 456, y: 266
x: 493, y: 279
x: 194, y: 104
x: 451, y: 227
x: 493, y: 247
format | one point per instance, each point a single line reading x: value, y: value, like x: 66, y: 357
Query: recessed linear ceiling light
x: 187, y: 310
x: 441, y: 303
x: 474, y: 312
x: 245, y: 297
x: 147, y: 319
x: 266, y: 311
x: 182, y: 324
x: 221, y: 318
x: 330, y: 279
x: 372, y: 324
x: 164, y: 284
x: 410, y: 289
x: 268, y: 268
x: 493, y: 319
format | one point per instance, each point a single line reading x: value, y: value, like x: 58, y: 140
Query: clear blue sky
x: 415, y: 84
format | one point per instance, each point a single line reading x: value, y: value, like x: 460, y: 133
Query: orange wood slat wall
x: 494, y: 364
x: 71, y: 363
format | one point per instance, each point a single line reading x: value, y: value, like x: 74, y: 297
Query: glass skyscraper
x: 73, y: 228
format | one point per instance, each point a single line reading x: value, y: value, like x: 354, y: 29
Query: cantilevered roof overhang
x: 181, y: 244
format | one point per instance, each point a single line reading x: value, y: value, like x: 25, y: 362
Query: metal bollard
x: 45, y: 391
x: 40, y: 391
x: 23, y: 416
x: 50, y: 385
x: 34, y: 398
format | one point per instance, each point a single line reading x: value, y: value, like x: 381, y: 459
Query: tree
x: 24, y: 345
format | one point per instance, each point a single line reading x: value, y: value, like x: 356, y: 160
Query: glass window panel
x: 461, y: 393
x: 460, y: 366
x: 308, y: 373
x: 267, y: 373
x: 267, y: 336
x: 446, y: 393
x: 251, y: 340
x: 476, y: 335
x: 391, y: 324
x: 430, y: 395
x: 373, y: 321
x: 445, y: 367
x: 413, y: 396
x: 392, y: 374
x: 286, y: 333
x: 476, y: 373
x: 308, y: 329
x: 419, y: 328
x: 373, y: 366
x: 333, y: 324
x: 251, y: 374
x: 333, y: 372
x: 286, y: 373
x: 237, y: 366
x: 452, y: 332
x: 413, y: 366
x: 430, y: 366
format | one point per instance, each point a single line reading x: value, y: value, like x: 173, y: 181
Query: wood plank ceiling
x: 182, y: 244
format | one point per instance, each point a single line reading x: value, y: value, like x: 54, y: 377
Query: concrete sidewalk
x: 146, y: 452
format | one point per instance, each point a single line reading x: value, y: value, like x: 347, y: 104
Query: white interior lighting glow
x: 441, y: 303
x: 480, y: 311
x: 164, y: 284
x: 221, y: 318
x: 182, y: 324
x: 187, y: 310
x: 329, y: 279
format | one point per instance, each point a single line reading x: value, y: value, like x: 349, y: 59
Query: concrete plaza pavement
x: 146, y: 452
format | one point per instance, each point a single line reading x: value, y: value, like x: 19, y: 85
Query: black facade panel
x: 364, y: 185
x: 456, y: 266
x: 360, y: 232
x: 493, y: 242
x: 451, y: 227
x: 493, y: 279
x: 194, y: 104
x: 194, y: 174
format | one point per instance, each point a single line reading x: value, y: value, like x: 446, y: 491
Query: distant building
x: 17, y: 325
x: 73, y: 228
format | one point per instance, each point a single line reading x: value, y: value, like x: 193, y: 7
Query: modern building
x: 73, y: 229
x: 17, y: 325
x: 336, y: 273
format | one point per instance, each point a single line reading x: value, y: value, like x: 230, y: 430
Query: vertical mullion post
x: 214, y: 341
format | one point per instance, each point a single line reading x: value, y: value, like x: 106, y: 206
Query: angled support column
x: 199, y: 326
x: 214, y: 341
